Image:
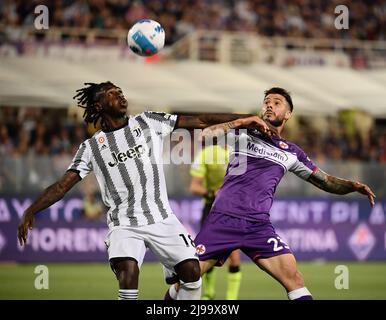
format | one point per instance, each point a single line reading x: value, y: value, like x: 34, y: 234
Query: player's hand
x: 365, y: 189
x: 26, y: 223
x: 256, y: 122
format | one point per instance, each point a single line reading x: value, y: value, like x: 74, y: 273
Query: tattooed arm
x: 337, y: 185
x: 50, y: 195
x: 253, y: 122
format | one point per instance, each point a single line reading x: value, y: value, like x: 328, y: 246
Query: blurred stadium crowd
x: 295, y: 18
x: 36, y: 140
x: 37, y: 145
x: 49, y: 132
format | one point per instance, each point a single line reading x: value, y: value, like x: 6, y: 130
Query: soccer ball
x: 146, y: 37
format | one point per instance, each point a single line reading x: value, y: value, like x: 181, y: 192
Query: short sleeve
x: 162, y: 123
x: 303, y: 167
x: 81, y: 163
x: 198, y: 168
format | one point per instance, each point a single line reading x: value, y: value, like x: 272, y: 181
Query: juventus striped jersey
x: 127, y: 163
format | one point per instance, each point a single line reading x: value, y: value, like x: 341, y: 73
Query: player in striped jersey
x: 126, y: 157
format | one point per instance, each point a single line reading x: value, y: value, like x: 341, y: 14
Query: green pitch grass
x: 96, y: 281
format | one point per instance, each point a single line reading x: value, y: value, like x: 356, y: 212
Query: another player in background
x: 239, y: 218
x: 126, y: 157
x: 92, y: 207
x: 208, y: 171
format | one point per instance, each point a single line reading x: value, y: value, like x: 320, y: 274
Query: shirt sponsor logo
x: 131, y: 153
x: 265, y: 152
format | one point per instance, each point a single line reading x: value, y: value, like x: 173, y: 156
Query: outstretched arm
x: 251, y: 122
x: 202, y: 121
x: 50, y: 195
x: 340, y: 186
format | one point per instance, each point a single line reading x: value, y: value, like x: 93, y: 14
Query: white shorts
x: 167, y: 239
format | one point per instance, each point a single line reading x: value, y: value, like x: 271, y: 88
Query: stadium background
x: 220, y: 57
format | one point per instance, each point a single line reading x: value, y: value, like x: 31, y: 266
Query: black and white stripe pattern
x: 128, y: 294
x: 155, y: 166
x: 127, y: 181
x: 164, y: 122
x: 128, y: 166
x: 108, y: 182
x: 142, y: 178
x: 78, y: 157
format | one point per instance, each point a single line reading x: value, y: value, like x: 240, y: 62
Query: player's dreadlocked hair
x: 88, y: 96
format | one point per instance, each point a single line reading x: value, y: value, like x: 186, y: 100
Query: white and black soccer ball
x: 146, y: 37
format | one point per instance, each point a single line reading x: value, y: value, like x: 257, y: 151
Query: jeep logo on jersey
x: 131, y: 153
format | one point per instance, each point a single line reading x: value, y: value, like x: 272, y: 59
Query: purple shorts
x: 222, y: 233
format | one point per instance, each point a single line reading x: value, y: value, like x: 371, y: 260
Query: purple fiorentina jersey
x: 256, y: 166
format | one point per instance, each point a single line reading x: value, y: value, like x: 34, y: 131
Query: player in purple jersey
x: 239, y: 218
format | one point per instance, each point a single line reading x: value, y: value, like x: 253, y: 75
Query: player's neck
x: 112, y: 124
x: 276, y: 130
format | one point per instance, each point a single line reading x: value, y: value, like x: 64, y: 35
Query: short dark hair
x: 282, y: 92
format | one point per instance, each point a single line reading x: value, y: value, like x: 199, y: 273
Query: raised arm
x: 202, y: 121
x: 50, y: 195
x: 251, y: 122
x: 337, y: 185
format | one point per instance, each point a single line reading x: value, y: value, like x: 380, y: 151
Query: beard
x: 277, y: 122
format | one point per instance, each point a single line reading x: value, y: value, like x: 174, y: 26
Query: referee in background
x: 207, y: 174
